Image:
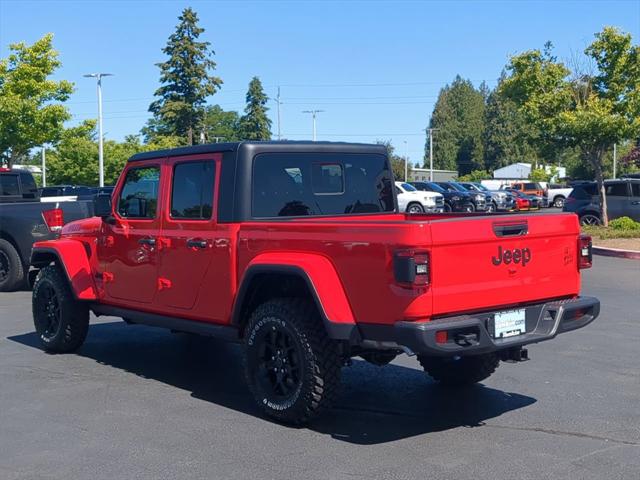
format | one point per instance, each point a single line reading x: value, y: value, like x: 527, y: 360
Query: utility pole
x: 44, y: 167
x: 313, y: 113
x: 99, y: 76
x: 278, y: 101
x: 615, y: 159
x: 406, y: 161
x: 431, y: 130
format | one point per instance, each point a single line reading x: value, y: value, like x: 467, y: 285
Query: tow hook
x: 466, y: 339
x: 513, y: 355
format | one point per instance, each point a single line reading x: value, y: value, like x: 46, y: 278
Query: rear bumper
x: 469, y: 334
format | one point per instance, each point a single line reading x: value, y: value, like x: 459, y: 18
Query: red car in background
x: 522, y: 200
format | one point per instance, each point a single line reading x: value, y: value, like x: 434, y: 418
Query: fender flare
x: 71, y: 255
x: 323, y: 283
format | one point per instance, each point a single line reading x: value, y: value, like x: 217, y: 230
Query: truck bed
x: 465, y: 275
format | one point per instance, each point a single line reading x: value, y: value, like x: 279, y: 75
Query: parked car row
x: 467, y: 197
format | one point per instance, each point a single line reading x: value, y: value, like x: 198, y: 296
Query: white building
x: 521, y: 171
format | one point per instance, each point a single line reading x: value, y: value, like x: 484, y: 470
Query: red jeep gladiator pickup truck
x: 296, y: 249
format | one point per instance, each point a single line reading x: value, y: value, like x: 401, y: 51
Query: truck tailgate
x: 484, y: 262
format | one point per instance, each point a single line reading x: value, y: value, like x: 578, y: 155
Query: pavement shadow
x: 376, y: 404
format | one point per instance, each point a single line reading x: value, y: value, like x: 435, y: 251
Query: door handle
x: 636, y: 202
x: 151, y: 242
x: 197, y: 243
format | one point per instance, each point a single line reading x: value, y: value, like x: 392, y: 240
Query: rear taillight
x: 54, y: 219
x: 411, y: 267
x: 584, y: 252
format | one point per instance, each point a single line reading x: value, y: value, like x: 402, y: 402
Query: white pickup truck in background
x: 557, y: 194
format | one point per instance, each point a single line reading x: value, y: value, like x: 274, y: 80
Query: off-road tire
x: 60, y: 320
x: 316, y: 384
x: 460, y: 371
x: 11, y: 268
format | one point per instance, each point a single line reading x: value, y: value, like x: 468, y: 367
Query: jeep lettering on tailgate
x: 516, y: 255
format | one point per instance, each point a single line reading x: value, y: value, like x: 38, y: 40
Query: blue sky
x: 375, y: 67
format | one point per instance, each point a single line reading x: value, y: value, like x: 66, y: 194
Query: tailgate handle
x: 510, y: 229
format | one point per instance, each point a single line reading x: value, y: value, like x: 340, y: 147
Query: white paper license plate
x: 508, y: 324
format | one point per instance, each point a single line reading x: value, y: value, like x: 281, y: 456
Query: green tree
x: 75, y: 158
x: 221, y: 125
x: 509, y: 136
x: 589, y: 111
x: 458, y: 117
x: 475, y: 176
x: 186, y: 82
x: 31, y: 112
x: 397, y: 161
x: 255, y: 124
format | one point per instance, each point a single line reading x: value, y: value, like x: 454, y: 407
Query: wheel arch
x: 71, y: 256
x: 272, y: 278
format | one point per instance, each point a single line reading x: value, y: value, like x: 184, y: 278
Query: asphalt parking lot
x: 138, y: 402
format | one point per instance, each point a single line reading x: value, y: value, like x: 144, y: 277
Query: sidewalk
x: 618, y: 247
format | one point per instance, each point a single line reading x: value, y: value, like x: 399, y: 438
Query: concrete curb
x: 616, y: 252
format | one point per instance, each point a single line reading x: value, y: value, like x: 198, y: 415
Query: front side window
x: 288, y: 184
x: 139, y: 194
x: 192, y: 190
x: 635, y: 189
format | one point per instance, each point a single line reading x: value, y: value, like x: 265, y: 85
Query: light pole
x: 44, y: 167
x: 431, y: 130
x: 406, y: 161
x: 313, y: 115
x: 99, y: 76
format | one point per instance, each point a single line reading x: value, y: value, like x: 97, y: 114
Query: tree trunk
x: 596, y: 160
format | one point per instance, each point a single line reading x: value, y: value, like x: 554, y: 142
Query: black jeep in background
x: 454, y: 201
x: 623, y: 200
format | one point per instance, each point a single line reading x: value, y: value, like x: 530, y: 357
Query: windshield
x: 479, y: 186
x: 458, y: 187
x: 436, y: 188
x: 408, y: 187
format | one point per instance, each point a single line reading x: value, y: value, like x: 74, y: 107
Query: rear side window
x: 139, y: 194
x: 531, y: 186
x: 616, y: 190
x: 635, y: 189
x: 288, y: 184
x: 192, y: 190
x: 29, y: 187
x: 9, y: 185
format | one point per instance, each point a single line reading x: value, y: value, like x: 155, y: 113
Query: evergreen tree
x: 458, y: 117
x: 509, y: 137
x: 255, y: 124
x: 186, y: 82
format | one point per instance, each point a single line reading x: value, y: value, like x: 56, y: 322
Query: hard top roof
x: 254, y: 147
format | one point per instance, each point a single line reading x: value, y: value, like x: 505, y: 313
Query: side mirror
x: 102, y: 205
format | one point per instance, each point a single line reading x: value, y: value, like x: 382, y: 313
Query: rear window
x: 288, y: 184
x: 9, y: 185
x: 584, y: 191
x: 29, y: 187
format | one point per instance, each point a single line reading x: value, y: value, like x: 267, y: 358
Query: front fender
x: 72, y: 256
x: 321, y: 278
